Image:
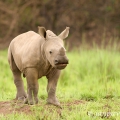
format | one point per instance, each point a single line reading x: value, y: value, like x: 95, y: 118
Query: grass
x: 92, y: 77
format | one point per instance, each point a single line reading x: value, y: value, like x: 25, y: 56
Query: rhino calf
x: 36, y: 55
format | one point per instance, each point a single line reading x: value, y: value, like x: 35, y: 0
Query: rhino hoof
x: 28, y: 102
x: 55, y: 103
x: 22, y: 98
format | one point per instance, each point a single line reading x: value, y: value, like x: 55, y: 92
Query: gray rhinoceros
x: 36, y: 55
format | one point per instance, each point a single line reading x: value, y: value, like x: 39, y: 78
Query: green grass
x: 93, y: 76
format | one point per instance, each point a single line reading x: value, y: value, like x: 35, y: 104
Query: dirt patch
x: 74, y: 102
x: 9, y: 107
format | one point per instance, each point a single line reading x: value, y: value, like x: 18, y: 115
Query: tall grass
x: 93, y: 76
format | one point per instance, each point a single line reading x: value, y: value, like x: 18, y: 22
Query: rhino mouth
x: 61, y: 66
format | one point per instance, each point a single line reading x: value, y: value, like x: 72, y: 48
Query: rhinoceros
x: 35, y: 55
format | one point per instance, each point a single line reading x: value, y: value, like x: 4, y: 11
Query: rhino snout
x: 61, y: 62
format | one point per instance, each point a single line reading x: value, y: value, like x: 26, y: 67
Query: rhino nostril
x: 56, y: 62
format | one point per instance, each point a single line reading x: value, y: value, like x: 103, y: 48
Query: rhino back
x: 26, y: 49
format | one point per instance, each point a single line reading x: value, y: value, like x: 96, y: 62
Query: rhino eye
x: 50, y: 52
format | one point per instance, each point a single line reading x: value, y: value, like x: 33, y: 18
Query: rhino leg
x: 32, y: 85
x: 21, y: 95
x: 51, y: 87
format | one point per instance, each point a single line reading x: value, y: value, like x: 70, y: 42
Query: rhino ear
x: 42, y: 32
x: 65, y: 33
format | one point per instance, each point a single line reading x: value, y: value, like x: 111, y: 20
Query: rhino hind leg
x: 21, y: 94
x: 32, y: 85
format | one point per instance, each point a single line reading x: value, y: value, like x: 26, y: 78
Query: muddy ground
x: 13, y: 106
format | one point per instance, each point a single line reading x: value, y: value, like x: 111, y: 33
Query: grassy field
x: 88, y: 89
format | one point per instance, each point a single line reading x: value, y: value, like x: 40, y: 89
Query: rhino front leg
x: 21, y: 94
x: 51, y: 87
x: 32, y: 85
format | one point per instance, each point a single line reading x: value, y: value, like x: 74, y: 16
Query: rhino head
x: 53, y: 47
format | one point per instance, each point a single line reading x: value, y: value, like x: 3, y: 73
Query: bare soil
x: 13, y: 106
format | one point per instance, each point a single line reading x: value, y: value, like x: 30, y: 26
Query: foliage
x: 93, y: 18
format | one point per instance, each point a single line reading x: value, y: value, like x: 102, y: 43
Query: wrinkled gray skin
x: 36, y: 55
